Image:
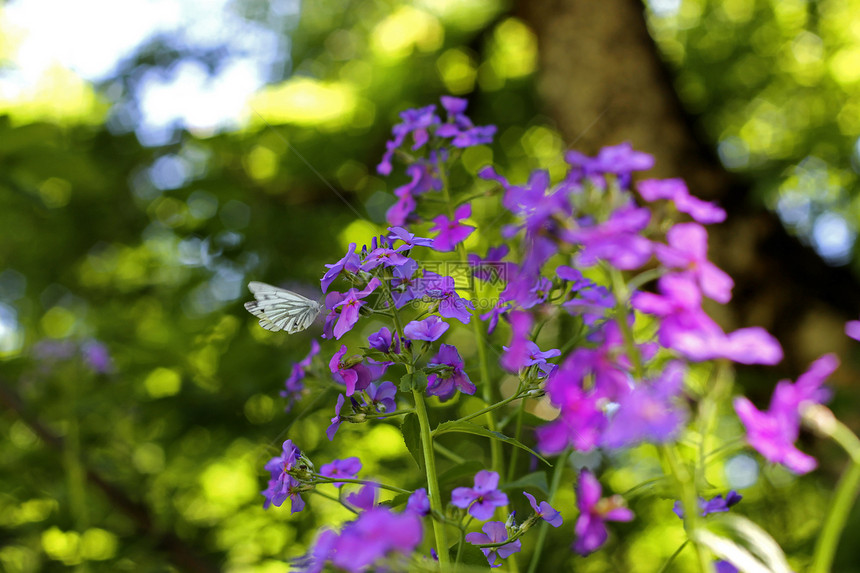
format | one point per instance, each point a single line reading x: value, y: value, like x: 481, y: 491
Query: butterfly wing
x: 280, y: 309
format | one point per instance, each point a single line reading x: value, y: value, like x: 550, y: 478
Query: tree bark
x: 603, y: 81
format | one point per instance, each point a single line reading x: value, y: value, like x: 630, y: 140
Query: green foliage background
x: 95, y: 246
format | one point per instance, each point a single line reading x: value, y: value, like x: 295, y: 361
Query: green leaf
x: 411, y: 429
x: 470, y: 428
x: 416, y: 380
x: 536, y: 480
x: 454, y: 474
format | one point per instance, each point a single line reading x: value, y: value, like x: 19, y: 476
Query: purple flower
x: 334, y: 426
x: 418, y: 502
x: 545, y: 511
x: 382, y: 396
x: 649, y: 412
x: 363, y: 499
x: 383, y: 256
x: 773, y: 432
x: 314, y: 560
x: 403, y: 208
x: 345, y: 468
x: 294, y: 383
x: 721, y: 566
x: 376, y: 534
x: 451, y: 378
x: 688, y: 250
x: 282, y: 485
x: 451, y: 232
x: 349, y: 263
x: 451, y: 305
x: 535, y: 356
x: 714, y: 505
x: 590, y: 527
x: 500, y: 308
x: 580, y: 422
x: 404, y: 283
x: 591, y: 302
x: 616, y: 241
x: 429, y: 329
x: 350, y: 306
x: 482, y: 499
x: 423, y: 178
x: 382, y: 341
x: 852, y: 329
x: 574, y: 276
x: 620, y: 160
x: 676, y: 190
x: 517, y: 352
x: 97, y: 357
x: 349, y: 371
x: 415, y: 121
x: 409, y: 239
x: 491, y: 268
x: 494, y: 532
x: 460, y: 128
x: 687, y: 329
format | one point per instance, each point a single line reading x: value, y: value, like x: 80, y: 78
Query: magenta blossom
x: 580, y: 422
x: 688, y: 251
x: 773, y: 432
x: 494, y: 532
x: 349, y: 371
x: 482, y: 499
x: 350, y: 306
x: 676, y: 190
x: 594, y: 512
x: 852, y: 329
x: 451, y: 231
x: 688, y: 330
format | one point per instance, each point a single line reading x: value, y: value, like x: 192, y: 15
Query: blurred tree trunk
x: 603, y: 81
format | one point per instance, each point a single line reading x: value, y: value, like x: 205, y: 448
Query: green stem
x: 488, y: 391
x: 673, y: 556
x: 560, y: 465
x: 321, y: 479
x: 457, y: 459
x: 333, y: 498
x: 486, y: 410
x: 843, y: 499
x: 433, y: 492
x: 690, y: 500
x: 512, y: 464
x: 432, y: 481
x: 619, y: 289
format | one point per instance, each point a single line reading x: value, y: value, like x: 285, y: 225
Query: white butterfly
x: 280, y: 309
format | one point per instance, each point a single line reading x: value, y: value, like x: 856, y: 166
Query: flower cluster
x: 624, y: 292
